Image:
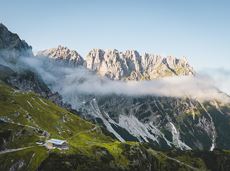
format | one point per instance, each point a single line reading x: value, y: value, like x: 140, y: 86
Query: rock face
x: 130, y: 65
x: 63, y: 54
x: 11, y: 41
x: 164, y: 122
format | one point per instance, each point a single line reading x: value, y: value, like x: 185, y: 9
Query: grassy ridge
x: 27, y: 118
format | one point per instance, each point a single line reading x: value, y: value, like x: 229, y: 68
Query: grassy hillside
x: 26, y: 118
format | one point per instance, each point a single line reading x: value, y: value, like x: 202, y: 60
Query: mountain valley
x: 104, y: 131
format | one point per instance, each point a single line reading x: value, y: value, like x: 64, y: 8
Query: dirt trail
x: 14, y: 150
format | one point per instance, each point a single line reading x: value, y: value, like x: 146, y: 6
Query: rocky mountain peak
x: 11, y: 41
x: 64, y: 54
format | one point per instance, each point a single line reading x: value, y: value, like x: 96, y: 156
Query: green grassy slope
x: 27, y: 118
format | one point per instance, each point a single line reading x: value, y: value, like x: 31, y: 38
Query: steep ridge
x: 18, y: 75
x: 11, y: 41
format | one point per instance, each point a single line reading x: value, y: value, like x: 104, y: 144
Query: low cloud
x: 220, y: 77
x: 72, y: 82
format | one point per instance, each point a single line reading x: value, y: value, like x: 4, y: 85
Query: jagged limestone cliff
x: 63, y: 54
x: 128, y: 65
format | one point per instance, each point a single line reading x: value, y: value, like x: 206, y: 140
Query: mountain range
x: 128, y: 65
x: 41, y: 98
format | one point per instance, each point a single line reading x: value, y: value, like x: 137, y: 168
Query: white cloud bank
x: 70, y: 82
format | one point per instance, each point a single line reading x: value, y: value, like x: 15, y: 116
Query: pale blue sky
x: 198, y: 29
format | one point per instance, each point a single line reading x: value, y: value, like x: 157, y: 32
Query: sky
x: 197, y: 29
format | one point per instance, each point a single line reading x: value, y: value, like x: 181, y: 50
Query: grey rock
x: 130, y: 65
x: 63, y: 54
x: 11, y: 41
